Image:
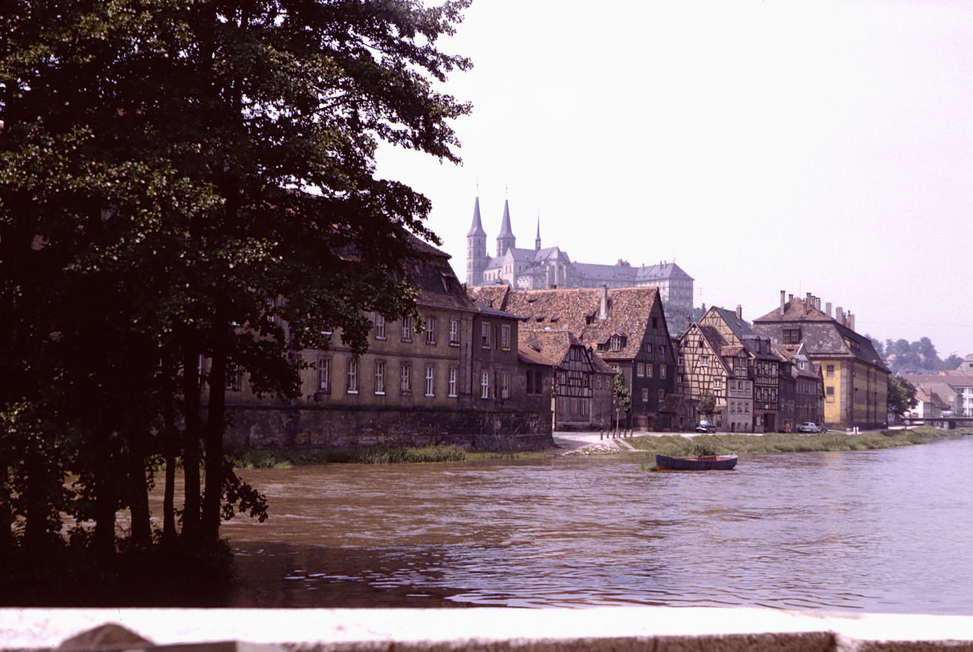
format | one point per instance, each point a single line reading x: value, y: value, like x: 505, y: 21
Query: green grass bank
x: 678, y: 445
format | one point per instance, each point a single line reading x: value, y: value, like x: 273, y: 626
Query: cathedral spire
x: 506, y: 239
x: 477, y: 227
x: 537, y: 240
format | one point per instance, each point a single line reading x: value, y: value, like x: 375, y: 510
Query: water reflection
x: 880, y: 531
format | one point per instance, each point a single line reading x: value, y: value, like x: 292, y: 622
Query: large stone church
x: 542, y: 268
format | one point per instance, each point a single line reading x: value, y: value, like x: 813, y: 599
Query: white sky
x: 821, y: 146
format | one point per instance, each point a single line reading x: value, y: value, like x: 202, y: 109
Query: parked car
x: 810, y: 426
x: 705, y: 426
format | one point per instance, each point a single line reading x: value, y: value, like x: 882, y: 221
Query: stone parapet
x: 635, y: 629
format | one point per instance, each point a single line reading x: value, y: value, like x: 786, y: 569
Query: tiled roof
x: 431, y: 274
x: 550, y: 347
x: 577, y: 310
x: 822, y: 336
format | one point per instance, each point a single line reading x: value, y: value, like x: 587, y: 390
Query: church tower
x: 476, y: 256
x: 506, y: 239
x: 537, y: 240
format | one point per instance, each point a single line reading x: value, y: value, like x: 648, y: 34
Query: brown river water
x: 877, y: 531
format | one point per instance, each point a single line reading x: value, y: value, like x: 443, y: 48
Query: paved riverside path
x: 592, y: 443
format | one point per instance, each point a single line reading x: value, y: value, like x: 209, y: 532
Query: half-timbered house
x: 626, y: 328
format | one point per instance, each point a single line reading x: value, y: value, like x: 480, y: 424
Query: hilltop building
x: 543, y: 268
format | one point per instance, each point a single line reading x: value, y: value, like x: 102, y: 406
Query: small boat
x: 696, y: 463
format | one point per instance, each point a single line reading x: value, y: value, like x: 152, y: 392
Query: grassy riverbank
x: 723, y: 444
x: 287, y: 458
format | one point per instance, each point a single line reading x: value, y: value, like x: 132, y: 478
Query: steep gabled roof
x: 491, y: 296
x: 550, y: 347
x: 577, y: 310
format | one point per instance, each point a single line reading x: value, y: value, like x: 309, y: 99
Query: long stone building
x: 543, y: 268
x: 455, y: 378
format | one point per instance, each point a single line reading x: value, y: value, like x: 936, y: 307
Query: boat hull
x: 699, y: 463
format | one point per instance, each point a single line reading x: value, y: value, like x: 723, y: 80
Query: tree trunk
x: 138, y: 494
x: 190, y: 455
x: 170, y: 446
x: 6, y: 514
x: 106, y: 495
x: 213, y: 495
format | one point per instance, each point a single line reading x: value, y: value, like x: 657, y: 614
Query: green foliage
x: 902, y: 395
x: 621, y: 396
x: 286, y: 458
x: 707, y: 403
x: 153, y: 162
x: 677, y: 445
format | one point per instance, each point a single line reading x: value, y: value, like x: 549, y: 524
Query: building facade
x: 453, y: 376
x: 855, y: 377
x: 625, y: 327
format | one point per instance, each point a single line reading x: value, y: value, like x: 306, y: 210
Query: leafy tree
x: 179, y: 179
x: 707, y: 403
x: 902, y: 395
x: 621, y: 397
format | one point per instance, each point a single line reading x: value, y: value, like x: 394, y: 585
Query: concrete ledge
x: 624, y: 629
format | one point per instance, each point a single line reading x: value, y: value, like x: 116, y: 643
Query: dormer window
x: 616, y: 342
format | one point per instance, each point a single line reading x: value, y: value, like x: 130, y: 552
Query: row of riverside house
x: 494, y: 368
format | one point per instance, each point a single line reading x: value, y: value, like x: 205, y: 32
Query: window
x: 430, y: 330
x: 452, y: 382
x: 718, y: 384
x: 680, y: 361
x: 234, y: 377
x: 640, y: 370
x: 485, y: 335
x: 484, y: 385
x: 380, y: 378
x: 504, y: 385
x: 663, y: 371
x: 829, y: 370
x: 379, y: 327
x: 704, y: 361
x: 535, y: 381
x: 584, y: 407
x: 650, y: 370
x: 829, y: 393
x: 430, y: 380
x: 454, y: 332
x: 648, y: 347
x: 616, y: 343
x: 353, y: 376
x: 792, y: 336
x: 505, y: 337
x: 645, y: 394
x: 324, y: 375
x: 662, y: 396
x: 405, y: 378
x: 407, y: 329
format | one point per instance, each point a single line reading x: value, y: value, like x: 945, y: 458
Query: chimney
x: 782, y: 303
x: 603, y: 306
x: 828, y: 308
x: 851, y: 321
x: 808, y: 301
x: 839, y: 315
x: 739, y: 312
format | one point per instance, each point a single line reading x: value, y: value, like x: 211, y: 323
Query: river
x: 876, y: 531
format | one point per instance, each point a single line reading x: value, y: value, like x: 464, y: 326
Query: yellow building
x: 856, y: 380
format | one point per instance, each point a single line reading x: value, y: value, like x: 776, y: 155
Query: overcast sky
x: 763, y: 145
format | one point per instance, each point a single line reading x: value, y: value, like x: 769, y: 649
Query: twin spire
x: 506, y: 239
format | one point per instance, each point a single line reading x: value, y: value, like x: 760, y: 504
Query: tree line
x: 902, y: 356
x: 187, y: 189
